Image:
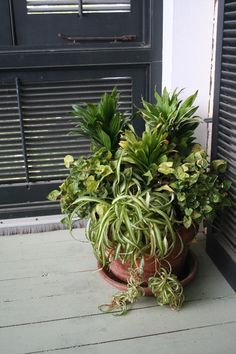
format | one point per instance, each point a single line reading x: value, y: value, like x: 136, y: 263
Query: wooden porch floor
x: 49, y: 294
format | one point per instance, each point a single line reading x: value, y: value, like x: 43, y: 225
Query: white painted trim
x: 188, y: 52
x: 167, y: 48
x: 30, y: 221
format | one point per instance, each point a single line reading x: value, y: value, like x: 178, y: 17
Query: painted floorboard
x: 103, y: 328
x: 216, y: 339
x: 49, y: 295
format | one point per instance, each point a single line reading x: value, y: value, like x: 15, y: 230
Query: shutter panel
x: 226, y: 137
x: 39, y: 7
x: 47, y: 123
x: 221, y: 241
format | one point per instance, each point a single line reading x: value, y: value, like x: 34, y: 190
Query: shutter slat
x: 231, y: 5
x: 228, y: 83
x: 227, y: 120
x: 72, y: 6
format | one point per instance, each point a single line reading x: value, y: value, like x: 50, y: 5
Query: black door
x: 55, y: 53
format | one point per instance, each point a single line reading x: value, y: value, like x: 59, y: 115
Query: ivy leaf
x: 91, y: 184
x: 165, y: 188
x: 226, y: 184
x: 181, y: 197
x: 194, y: 178
x: 215, y: 197
x: 188, y: 211
x: 68, y: 160
x: 219, y: 165
x: 196, y: 215
x: 166, y: 168
x: 202, y: 163
x: 181, y: 174
x: 101, y: 209
x: 207, y: 208
x: 53, y: 195
x: 187, y: 221
x: 104, y: 170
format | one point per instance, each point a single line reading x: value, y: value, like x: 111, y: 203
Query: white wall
x: 188, y: 28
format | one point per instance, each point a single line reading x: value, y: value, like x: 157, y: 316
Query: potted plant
x: 144, y: 196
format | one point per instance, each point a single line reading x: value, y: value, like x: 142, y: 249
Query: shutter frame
x: 221, y: 240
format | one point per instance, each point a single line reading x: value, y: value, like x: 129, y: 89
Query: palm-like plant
x: 102, y: 123
x: 146, y: 153
x: 176, y: 116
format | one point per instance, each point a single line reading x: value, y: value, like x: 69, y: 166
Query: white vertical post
x: 188, y: 30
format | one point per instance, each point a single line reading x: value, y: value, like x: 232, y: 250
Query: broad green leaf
x: 207, y: 208
x: 188, y: 211
x: 104, y: 170
x: 91, y: 184
x: 166, y: 187
x: 216, y: 197
x: 227, y: 184
x: 181, y: 174
x: 166, y: 168
x: 219, y: 165
x: 181, y: 197
x: 53, y: 195
x: 68, y: 160
x: 203, y: 163
x: 187, y: 221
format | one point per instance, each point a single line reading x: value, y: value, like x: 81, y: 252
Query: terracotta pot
x: 188, y: 273
x: 175, y: 259
x: 187, y: 235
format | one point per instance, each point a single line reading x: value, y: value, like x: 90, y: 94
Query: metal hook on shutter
x: 124, y: 38
x: 80, y: 7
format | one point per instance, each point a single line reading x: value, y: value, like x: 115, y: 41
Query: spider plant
x: 120, y: 303
x: 164, y: 285
x: 130, y: 225
x: 167, y: 289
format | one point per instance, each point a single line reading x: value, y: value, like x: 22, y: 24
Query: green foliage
x: 175, y: 115
x: 91, y: 176
x: 199, y: 187
x: 136, y: 191
x: 102, y: 123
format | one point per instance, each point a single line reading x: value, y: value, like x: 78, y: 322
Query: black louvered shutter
x: 221, y: 241
x: 53, y: 54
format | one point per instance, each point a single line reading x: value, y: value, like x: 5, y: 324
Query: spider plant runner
x: 144, y: 196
